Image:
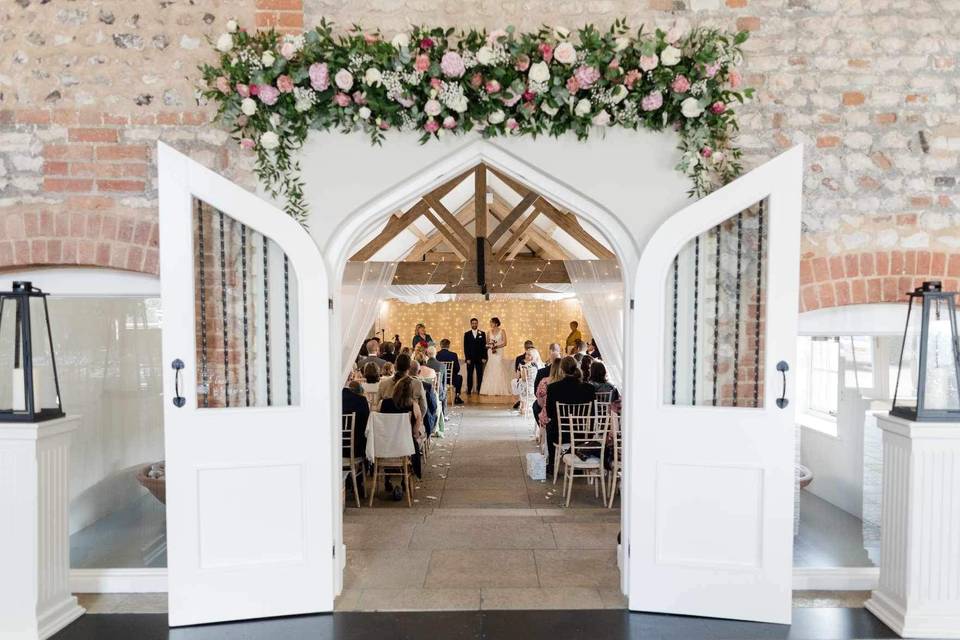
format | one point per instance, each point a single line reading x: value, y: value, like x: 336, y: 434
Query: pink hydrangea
x: 649, y: 63
x: 452, y: 65
x: 718, y: 107
x: 421, y: 63
x: 285, y: 83
x: 652, y: 101
x: 243, y: 90
x: 268, y: 94
x: 431, y: 126
x: 712, y: 69
x: 680, y: 84
x: 631, y: 78
x: 223, y: 85
x: 492, y: 86
x: 342, y: 99
x: 319, y: 76
x: 522, y: 63
x: 546, y: 50
x: 573, y: 85
x: 586, y: 76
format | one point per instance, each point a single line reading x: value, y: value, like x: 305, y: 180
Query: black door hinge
x: 631, y: 304
x: 330, y: 304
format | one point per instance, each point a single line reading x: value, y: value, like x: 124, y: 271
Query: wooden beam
x: 480, y: 201
x: 510, y: 182
x: 574, y: 230
x: 514, y: 215
x: 451, y: 238
x: 516, y: 239
x: 450, y: 220
x: 395, y: 225
x: 516, y: 249
x: 464, y: 215
x: 540, y: 241
x: 450, y: 185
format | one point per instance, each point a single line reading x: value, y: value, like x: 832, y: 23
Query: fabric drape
x: 599, y: 287
x: 419, y: 293
x: 365, y: 284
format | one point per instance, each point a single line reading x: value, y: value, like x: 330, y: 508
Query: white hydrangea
x: 304, y: 98
x: 451, y: 95
x: 698, y: 88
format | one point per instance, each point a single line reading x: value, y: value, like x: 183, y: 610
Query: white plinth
x: 919, y: 592
x: 35, y: 598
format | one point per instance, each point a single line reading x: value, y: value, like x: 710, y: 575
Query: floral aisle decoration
x: 272, y: 89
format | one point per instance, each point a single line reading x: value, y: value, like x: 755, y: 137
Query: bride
x: 498, y: 374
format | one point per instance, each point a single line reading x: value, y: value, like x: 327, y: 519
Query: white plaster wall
x: 629, y: 174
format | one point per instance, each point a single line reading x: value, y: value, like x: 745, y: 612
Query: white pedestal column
x: 919, y: 592
x: 35, y: 598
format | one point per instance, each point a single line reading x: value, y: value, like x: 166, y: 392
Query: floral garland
x: 271, y: 89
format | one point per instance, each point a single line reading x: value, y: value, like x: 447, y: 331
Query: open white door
x: 711, y: 478
x: 248, y: 447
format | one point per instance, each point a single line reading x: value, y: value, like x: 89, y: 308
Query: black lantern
x: 29, y: 387
x: 928, y: 380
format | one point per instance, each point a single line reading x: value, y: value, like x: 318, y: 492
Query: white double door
x: 252, y: 474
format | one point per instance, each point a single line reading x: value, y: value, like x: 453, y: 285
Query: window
x: 824, y: 375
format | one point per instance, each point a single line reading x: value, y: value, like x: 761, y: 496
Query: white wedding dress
x: 498, y: 374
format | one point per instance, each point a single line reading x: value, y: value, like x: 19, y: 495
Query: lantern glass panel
x: 45, y: 384
x: 940, y: 387
x: 905, y: 396
x: 11, y: 358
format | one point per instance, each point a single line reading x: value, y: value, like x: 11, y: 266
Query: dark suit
x: 353, y: 403
x: 475, y: 353
x: 568, y: 391
x: 445, y: 355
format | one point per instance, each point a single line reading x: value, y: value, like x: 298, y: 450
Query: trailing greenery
x: 272, y: 89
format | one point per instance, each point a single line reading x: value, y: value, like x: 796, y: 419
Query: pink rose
x: 631, y: 78
x: 706, y: 152
x: 735, y: 79
x: 268, y: 94
x: 529, y: 95
x: 512, y: 100
x: 223, y: 85
x: 243, y: 90
x: 343, y: 79
x: 586, y: 76
x: 649, y: 63
x: 546, y: 50
x: 572, y: 84
x: 436, y: 83
x: 449, y: 122
x: 718, y: 107
x: 384, y: 125
x: 431, y: 126
x: 246, y: 143
x: 370, y: 38
x: 680, y: 84
x: 426, y: 43
x: 476, y: 81
x: 492, y: 86
x: 253, y: 89
x: 512, y: 123
x: 288, y: 50
x: 452, y: 65
x: 529, y: 106
x: 319, y: 76
x: 712, y: 69
x: 359, y: 97
x: 422, y: 63
x: 285, y: 83
x: 522, y: 63
x: 652, y: 101
x: 341, y: 99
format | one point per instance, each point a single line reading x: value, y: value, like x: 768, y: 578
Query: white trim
x: 118, y: 580
x: 87, y: 281
x: 835, y: 578
x: 855, y: 320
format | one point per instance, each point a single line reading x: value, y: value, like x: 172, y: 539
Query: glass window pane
x: 940, y: 388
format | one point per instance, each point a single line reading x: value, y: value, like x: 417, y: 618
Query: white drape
x: 365, y: 284
x: 599, y: 287
x: 419, y: 293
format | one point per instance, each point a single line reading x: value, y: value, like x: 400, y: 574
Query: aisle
x: 482, y: 534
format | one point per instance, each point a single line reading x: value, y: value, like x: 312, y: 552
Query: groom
x: 475, y: 354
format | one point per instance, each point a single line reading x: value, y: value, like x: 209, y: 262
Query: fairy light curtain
x: 599, y: 287
x: 365, y: 284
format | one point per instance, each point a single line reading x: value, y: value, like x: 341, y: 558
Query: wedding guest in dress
x: 403, y: 400
x: 388, y: 370
x: 402, y: 369
x: 555, y: 353
x: 553, y: 375
x: 373, y: 348
x: 371, y: 378
x: 430, y: 398
x: 585, y: 362
x: 421, y: 338
x: 353, y: 401
x: 445, y: 355
x: 436, y: 365
x: 593, y: 351
x: 569, y: 390
x: 475, y: 354
x: 520, y: 360
x: 574, y: 335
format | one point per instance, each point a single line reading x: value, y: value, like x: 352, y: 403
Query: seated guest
x: 402, y: 400
x: 569, y: 390
x: 403, y: 368
x: 387, y: 352
x: 445, y: 355
x: 406, y: 350
x: 427, y: 398
x: 387, y: 370
x: 353, y: 401
x: 593, y: 351
x: 554, y: 354
x: 373, y: 348
x: 579, y: 350
x: 519, y: 361
x: 432, y: 362
x: 598, y: 378
x: 371, y: 378
x: 426, y: 372
x: 553, y: 375
x: 585, y: 363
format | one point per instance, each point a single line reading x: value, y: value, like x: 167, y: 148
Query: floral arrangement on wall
x: 272, y: 89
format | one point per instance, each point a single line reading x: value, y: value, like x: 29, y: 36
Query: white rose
x: 344, y: 79
x: 561, y: 32
x: 548, y: 109
x: 225, y: 42
x: 496, y: 117
x: 691, y: 108
x: 269, y: 140
x: 232, y: 26
x: 248, y: 106
x: 619, y: 93
x: 373, y: 76
x: 602, y: 119
x: 621, y: 43
x: 268, y: 58
x: 670, y: 56
x: 432, y: 108
x: 401, y: 41
x: 485, y: 55
x: 582, y: 108
x: 364, y: 112
x: 539, y: 72
x: 565, y: 53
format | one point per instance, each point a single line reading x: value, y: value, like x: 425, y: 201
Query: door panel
x: 711, y: 475
x: 250, y: 495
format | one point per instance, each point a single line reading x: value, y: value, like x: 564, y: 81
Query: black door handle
x: 178, y: 400
x: 783, y: 367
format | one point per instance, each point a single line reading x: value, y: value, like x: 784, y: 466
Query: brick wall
x: 869, y: 88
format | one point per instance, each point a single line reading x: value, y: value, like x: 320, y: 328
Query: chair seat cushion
x: 575, y: 462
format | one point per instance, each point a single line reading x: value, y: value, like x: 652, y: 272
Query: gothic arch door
x: 249, y: 483
x: 711, y: 478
